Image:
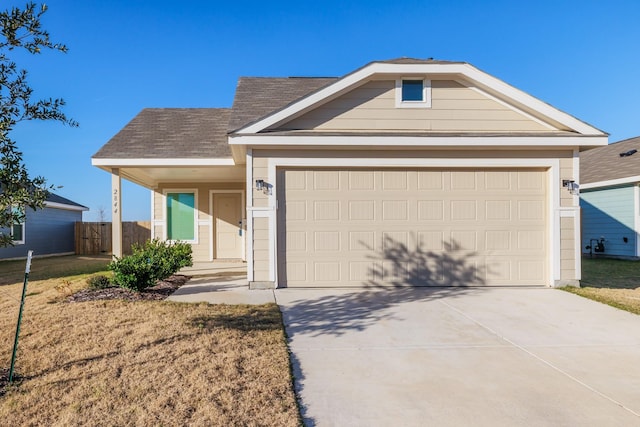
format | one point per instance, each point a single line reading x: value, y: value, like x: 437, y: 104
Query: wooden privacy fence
x: 94, y: 238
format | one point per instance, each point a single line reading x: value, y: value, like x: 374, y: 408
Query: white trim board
x: 611, y: 182
x: 174, y: 162
x: 497, y: 141
x: 196, y: 220
x: 65, y: 206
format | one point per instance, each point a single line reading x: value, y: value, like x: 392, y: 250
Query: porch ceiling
x: 151, y: 176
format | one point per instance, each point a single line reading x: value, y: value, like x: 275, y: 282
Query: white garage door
x: 419, y: 227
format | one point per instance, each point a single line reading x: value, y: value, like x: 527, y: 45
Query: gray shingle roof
x: 54, y: 198
x: 605, y: 163
x: 165, y: 133
x: 257, y: 97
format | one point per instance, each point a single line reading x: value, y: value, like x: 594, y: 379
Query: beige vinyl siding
x: 261, y: 249
x: 260, y: 199
x: 157, y: 231
x: 567, y: 249
x: 566, y: 172
x: 455, y: 108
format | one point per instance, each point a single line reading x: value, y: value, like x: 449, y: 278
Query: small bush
x: 154, y: 261
x: 99, y: 281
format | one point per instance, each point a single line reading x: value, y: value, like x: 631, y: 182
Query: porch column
x: 116, y: 213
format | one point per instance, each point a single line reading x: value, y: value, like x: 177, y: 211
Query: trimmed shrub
x: 99, y: 281
x: 154, y: 261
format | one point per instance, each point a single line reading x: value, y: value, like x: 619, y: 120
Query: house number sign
x: 115, y: 200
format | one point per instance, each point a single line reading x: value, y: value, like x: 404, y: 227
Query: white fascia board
x: 419, y: 141
x: 162, y: 162
x: 468, y: 71
x: 65, y: 206
x: 611, y: 182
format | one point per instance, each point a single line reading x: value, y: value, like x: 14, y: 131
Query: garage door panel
x: 361, y: 180
x: 394, y: 180
x: 430, y: 180
x: 412, y: 227
x: 362, y: 241
x: 464, y: 180
x: 497, y: 210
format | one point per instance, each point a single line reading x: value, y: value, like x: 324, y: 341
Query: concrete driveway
x: 458, y: 357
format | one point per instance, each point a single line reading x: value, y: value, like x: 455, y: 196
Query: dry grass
x: 142, y: 363
x: 611, y: 281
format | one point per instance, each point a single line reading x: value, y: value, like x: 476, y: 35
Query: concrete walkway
x: 458, y: 357
x: 221, y: 290
x: 220, y: 283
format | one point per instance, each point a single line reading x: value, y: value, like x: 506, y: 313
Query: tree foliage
x: 21, y: 29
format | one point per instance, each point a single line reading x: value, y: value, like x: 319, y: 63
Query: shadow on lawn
x: 257, y: 318
x: 610, y: 273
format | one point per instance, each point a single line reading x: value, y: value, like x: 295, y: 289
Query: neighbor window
x: 17, y: 229
x: 413, y: 93
x: 181, y: 211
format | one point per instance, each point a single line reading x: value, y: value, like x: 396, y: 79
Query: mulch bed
x: 161, y: 291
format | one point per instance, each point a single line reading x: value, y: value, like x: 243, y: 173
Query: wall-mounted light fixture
x: 572, y: 186
x: 265, y: 187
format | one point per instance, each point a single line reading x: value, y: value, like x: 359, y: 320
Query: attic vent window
x: 412, y: 92
x: 628, y: 153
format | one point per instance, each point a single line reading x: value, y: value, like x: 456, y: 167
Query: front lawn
x: 138, y: 363
x: 611, y: 281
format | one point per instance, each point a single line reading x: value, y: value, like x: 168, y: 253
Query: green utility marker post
x: 24, y: 294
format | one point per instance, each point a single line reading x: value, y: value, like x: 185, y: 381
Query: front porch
x: 217, y: 269
x: 197, y: 184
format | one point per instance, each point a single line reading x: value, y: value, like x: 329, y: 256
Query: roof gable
x: 457, y: 71
x: 454, y: 107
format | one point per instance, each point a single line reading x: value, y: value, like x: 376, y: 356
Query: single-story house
x: 47, y: 231
x: 610, y: 199
x: 402, y: 172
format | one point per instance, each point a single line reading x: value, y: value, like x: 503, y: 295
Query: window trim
x: 426, y: 94
x: 165, y: 220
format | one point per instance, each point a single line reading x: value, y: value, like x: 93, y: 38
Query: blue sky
x: 125, y: 55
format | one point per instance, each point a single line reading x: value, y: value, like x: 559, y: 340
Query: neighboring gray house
x: 48, y: 231
x: 610, y: 198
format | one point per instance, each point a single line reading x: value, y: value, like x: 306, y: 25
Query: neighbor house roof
x: 257, y: 97
x: 611, y: 163
x: 53, y: 199
x: 165, y: 133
